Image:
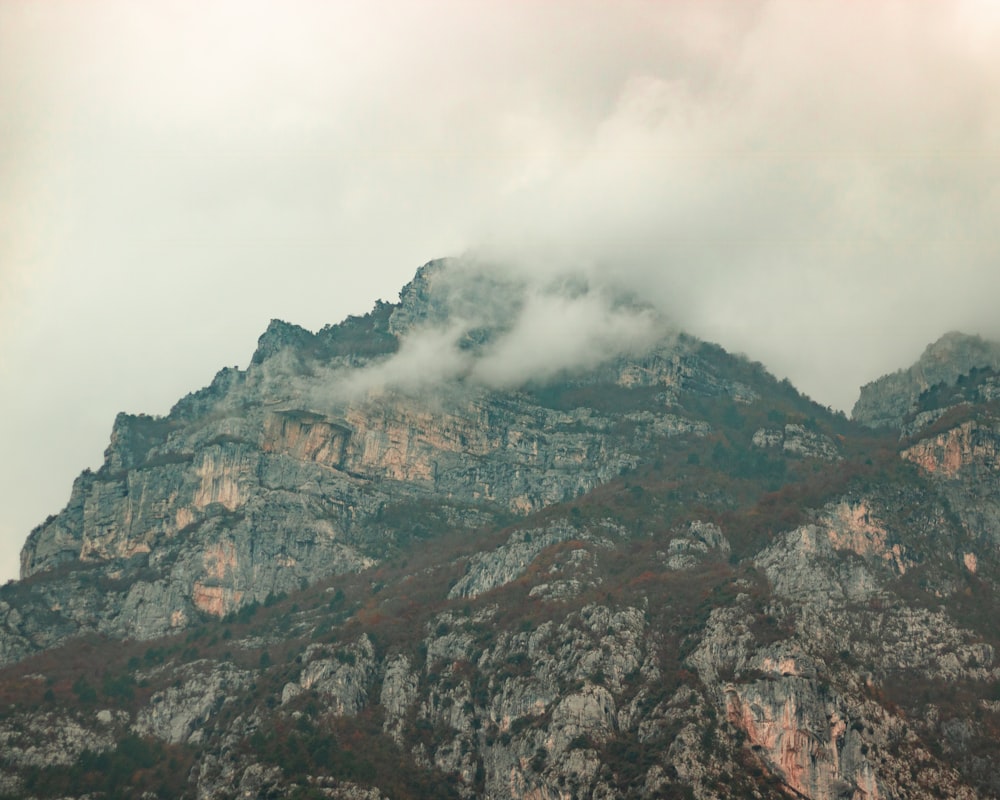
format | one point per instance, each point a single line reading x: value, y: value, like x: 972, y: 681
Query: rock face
x: 354, y: 571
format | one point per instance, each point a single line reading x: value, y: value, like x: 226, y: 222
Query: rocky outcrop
x: 493, y: 568
x: 33, y: 739
x: 803, y: 735
x: 963, y: 463
x: 342, y: 680
x: 969, y: 446
x: 794, y: 693
x: 797, y: 440
x: 179, y: 713
x: 701, y: 540
x: 888, y: 400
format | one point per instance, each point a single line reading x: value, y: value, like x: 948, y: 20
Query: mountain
x: 507, y: 541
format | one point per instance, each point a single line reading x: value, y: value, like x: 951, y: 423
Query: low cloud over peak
x: 469, y: 321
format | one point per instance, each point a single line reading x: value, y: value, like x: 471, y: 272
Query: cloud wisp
x: 482, y: 329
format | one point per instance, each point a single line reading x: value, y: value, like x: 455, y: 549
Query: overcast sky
x: 816, y: 184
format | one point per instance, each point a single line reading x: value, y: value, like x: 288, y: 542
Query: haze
x: 813, y: 184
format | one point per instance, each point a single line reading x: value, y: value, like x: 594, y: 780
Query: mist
x: 496, y: 328
x: 812, y: 184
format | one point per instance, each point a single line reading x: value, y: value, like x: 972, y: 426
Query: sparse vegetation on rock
x: 664, y: 576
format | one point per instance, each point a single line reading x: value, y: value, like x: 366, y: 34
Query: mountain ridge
x: 660, y: 572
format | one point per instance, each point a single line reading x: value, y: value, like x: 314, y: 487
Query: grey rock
x: 797, y: 440
x: 179, y: 713
x: 702, y: 539
x: 47, y: 739
x: 489, y: 570
x: 341, y: 681
x: 589, y: 713
x: 398, y: 695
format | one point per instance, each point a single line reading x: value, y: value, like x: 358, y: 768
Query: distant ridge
x: 885, y: 402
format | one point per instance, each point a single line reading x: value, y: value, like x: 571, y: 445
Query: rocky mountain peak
x: 889, y: 399
x: 477, y: 301
x: 278, y: 336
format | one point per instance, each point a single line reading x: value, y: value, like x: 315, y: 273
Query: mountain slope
x: 354, y: 570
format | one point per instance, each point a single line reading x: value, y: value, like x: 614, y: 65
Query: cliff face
x: 353, y: 571
x: 297, y: 469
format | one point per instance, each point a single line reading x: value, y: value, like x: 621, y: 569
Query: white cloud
x: 426, y: 358
x: 555, y: 334
x: 493, y: 329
